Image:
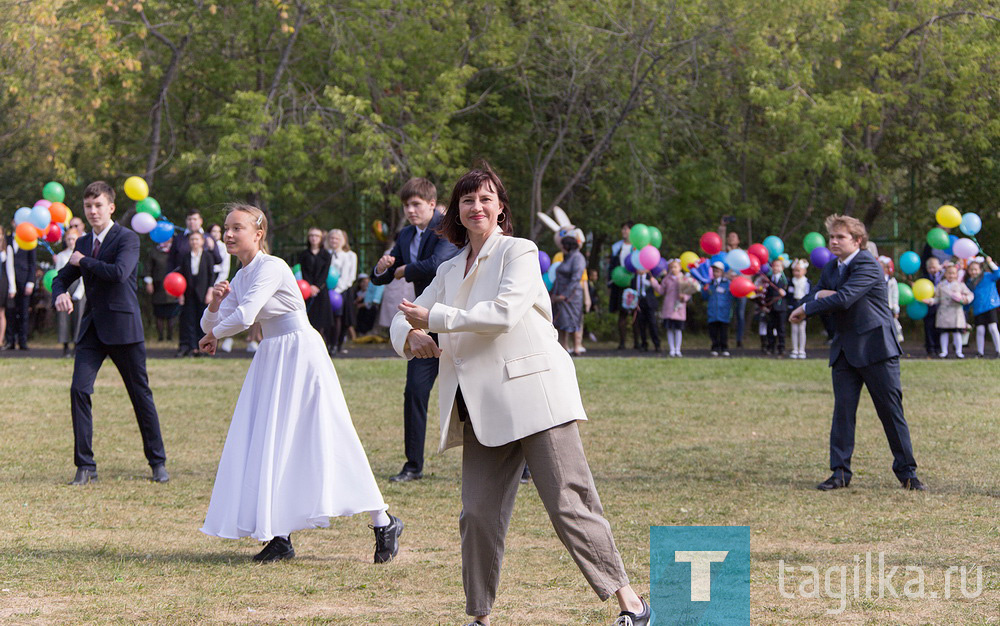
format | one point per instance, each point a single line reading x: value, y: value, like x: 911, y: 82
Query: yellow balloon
x: 948, y: 216
x: 923, y: 289
x: 688, y: 258
x: 137, y: 189
x: 25, y: 245
x: 69, y: 216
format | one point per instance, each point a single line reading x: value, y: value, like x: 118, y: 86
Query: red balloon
x: 54, y: 233
x: 741, y: 287
x: 760, y: 251
x: 754, y: 266
x: 711, y: 243
x: 304, y: 287
x: 174, y: 284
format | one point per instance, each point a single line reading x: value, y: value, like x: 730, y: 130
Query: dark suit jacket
x: 863, y: 325
x: 24, y: 265
x: 434, y: 250
x: 110, y: 283
x: 198, y: 286
x: 180, y: 248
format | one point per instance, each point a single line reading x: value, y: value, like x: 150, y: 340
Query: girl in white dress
x: 292, y: 458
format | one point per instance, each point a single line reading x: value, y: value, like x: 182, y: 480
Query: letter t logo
x: 701, y: 570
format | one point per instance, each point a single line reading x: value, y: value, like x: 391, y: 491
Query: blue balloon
x: 721, y: 256
x: 547, y: 281
x: 21, y: 215
x: 738, y: 259
x: 775, y: 246
x: 162, y: 232
x: 552, y: 271
x: 916, y: 310
x: 332, y: 278
x: 634, y: 259
x: 951, y: 242
x: 971, y: 224
x: 629, y: 265
x: 820, y: 256
x: 702, y: 272
x: 336, y: 301
x: 40, y: 217
x: 909, y: 262
x: 544, y: 261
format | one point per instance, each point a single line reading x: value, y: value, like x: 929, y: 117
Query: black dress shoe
x: 627, y: 618
x: 525, y: 475
x: 831, y: 483
x: 387, y: 539
x: 913, y: 484
x: 84, y: 475
x: 277, y: 549
x: 160, y: 474
x: 405, y: 476
x: 183, y: 352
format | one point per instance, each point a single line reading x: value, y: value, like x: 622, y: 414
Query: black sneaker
x: 387, y: 539
x: 627, y: 618
x: 277, y: 549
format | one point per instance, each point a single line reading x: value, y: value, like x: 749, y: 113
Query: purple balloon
x: 336, y: 301
x: 661, y: 266
x: 820, y: 256
x: 544, y: 261
x: 628, y: 264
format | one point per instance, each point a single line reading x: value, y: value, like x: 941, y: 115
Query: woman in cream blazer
x: 508, y: 394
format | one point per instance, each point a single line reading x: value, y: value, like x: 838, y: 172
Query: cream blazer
x: 497, y: 343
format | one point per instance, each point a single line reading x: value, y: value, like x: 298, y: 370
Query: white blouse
x: 264, y: 289
x: 347, y: 264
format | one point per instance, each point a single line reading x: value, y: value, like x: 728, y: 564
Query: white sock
x: 944, y: 344
x: 981, y: 339
x: 670, y: 341
x: 958, y: 343
x: 996, y: 337
x: 678, y: 339
x: 379, y: 518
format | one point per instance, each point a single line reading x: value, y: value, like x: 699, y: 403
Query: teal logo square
x: 700, y: 574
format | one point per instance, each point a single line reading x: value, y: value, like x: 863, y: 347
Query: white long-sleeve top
x: 347, y: 264
x: 7, y: 258
x: 265, y: 288
x: 62, y: 259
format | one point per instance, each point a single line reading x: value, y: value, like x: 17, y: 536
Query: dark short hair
x: 451, y: 227
x: 419, y: 187
x: 195, y: 232
x: 192, y: 212
x: 99, y: 188
x: 628, y: 223
x: 569, y: 243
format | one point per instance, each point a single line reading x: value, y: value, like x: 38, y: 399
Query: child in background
x: 720, y: 306
x: 985, y: 303
x: 763, y: 310
x: 774, y: 295
x: 892, y: 294
x: 950, y: 295
x: 797, y: 291
x: 933, y: 273
x: 645, y: 320
x: 675, y: 289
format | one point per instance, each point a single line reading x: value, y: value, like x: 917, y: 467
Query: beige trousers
x: 490, y: 478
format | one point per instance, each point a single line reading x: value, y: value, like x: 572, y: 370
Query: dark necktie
x: 97, y: 247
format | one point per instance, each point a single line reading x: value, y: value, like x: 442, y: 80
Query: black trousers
x: 17, y: 319
x: 885, y: 388
x: 932, y: 338
x: 646, y: 320
x: 776, y: 322
x: 190, y: 330
x: 130, y: 359
x: 420, y: 377
x: 719, y: 333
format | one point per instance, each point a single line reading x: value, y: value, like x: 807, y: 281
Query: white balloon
x: 143, y: 223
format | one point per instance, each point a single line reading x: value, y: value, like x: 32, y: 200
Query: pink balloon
x: 965, y: 248
x: 43, y: 202
x: 649, y: 257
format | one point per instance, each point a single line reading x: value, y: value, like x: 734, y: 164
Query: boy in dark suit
x: 196, y: 268
x: 864, y: 351
x: 111, y: 326
x: 19, y: 300
x: 415, y: 256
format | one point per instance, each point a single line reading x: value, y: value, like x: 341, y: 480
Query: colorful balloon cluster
x: 148, y: 218
x: 46, y: 221
x: 750, y: 262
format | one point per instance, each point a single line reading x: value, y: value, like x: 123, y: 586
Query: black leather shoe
x: 831, y: 483
x: 84, y: 475
x: 913, y: 484
x: 405, y: 476
x: 160, y: 474
x: 387, y: 539
x: 183, y: 352
x: 276, y: 549
x: 627, y: 618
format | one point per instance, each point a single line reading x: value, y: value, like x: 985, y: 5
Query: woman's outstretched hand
x: 416, y: 315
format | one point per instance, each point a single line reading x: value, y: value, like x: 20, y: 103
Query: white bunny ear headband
x: 801, y: 263
x: 561, y: 226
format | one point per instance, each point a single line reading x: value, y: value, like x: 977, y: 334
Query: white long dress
x: 292, y: 458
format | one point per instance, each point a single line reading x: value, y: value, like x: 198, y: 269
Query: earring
x: 501, y: 218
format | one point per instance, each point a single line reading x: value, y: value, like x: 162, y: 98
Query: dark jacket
x: 197, y: 286
x: 25, y: 265
x: 433, y: 251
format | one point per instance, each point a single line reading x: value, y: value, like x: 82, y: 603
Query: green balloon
x: 639, y: 236
x: 149, y: 205
x: 53, y: 192
x: 938, y: 239
x: 655, y: 237
x: 621, y: 276
x: 905, y: 294
x: 812, y: 241
x: 48, y: 278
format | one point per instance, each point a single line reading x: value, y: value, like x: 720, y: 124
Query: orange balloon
x: 58, y: 212
x: 26, y: 232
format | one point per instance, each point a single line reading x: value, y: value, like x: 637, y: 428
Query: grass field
x: 671, y: 442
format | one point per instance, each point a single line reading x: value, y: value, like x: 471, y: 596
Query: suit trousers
x: 17, y: 319
x: 190, y: 327
x: 490, y: 478
x: 130, y: 359
x: 420, y: 377
x: 885, y: 388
